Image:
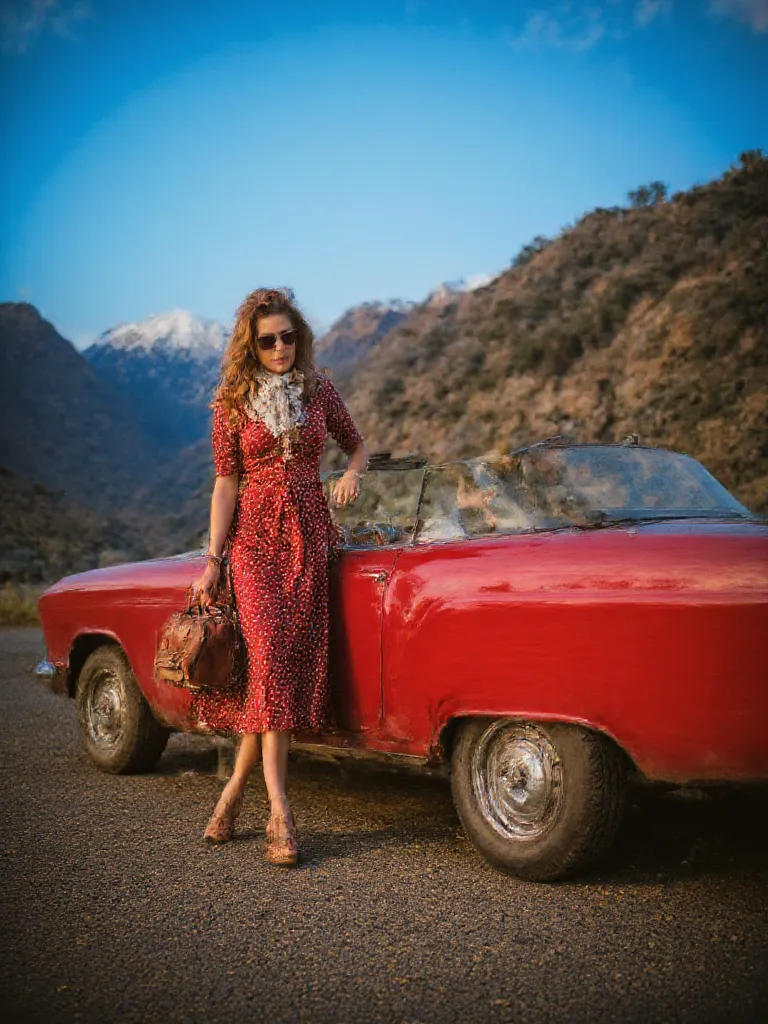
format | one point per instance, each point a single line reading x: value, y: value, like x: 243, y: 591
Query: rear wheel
x: 540, y: 800
x: 117, y: 728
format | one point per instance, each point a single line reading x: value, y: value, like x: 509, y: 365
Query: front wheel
x: 540, y: 800
x: 117, y: 728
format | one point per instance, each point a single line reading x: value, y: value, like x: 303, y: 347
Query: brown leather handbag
x: 200, y: 648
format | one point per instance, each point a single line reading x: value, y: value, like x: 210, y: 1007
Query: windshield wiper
x: 600, y: 520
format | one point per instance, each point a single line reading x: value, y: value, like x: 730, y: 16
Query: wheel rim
x: 517, y: 778
x: 105, y: 711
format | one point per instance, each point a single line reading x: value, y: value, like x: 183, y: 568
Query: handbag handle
x: 194, y: 600
x: 222, y: 595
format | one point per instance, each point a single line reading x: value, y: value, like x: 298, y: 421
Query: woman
x: 272, y: 414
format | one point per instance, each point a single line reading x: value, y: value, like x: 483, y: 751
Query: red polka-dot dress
x: 280, y: 540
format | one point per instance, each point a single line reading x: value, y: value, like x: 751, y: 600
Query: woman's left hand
x: 347, y: 488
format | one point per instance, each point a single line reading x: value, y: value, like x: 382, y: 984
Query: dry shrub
x: 18, y: 604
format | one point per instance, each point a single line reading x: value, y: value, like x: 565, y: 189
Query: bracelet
x: 357, y: 473
x: 218, y: 559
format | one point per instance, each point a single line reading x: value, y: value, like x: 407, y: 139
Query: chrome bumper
x: 55, y: 677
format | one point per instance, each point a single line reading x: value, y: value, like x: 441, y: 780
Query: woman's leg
x: 221, y: 827
x: 275, y: 747
x: 248, y: 749
x: 281, y: 835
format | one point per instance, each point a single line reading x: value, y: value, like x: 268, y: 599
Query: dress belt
x: 246, y: 479
x: 287, y: 512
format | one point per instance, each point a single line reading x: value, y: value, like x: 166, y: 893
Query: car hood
x: 172, y: 571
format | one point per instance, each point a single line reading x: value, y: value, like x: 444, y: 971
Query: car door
x: 358, y: 585
x: 374, y: 531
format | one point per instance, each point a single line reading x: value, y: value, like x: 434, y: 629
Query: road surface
x: 113, y: 909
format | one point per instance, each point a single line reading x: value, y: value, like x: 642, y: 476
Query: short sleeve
x: 225, y: 443
x: 340, y: 424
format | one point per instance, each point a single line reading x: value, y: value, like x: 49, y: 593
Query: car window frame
x: 405, y: 541
x: 536, y: 530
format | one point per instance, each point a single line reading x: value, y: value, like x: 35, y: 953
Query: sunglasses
x: 268, y: 341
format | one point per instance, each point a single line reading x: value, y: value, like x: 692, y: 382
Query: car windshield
x: 384, y: 513
x: 551, y: 487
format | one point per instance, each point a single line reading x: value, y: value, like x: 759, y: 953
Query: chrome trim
x: 517, y: 779
x: 105, y: 711
x: 367, y: 755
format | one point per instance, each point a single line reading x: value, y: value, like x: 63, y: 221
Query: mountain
x: 651, y: 319
x: 61, y: 424
x: 356, y: 332
x: 166, y: 495
x: 176, y: 331
x: 167, y: 366
x: 47, y: 535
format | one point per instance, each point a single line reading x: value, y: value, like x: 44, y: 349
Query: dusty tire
x: 539, y: 800
x: 117, y: 728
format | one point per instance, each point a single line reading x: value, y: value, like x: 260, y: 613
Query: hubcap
x: 105, y: 711
x: 518, y: 779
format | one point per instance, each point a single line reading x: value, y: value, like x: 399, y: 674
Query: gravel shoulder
x: 113, y: 909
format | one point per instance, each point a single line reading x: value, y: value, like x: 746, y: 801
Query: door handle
x: 372, y: 574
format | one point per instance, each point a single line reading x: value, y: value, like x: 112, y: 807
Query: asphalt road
x: 113, y: 909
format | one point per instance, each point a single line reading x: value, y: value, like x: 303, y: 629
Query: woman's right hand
x: 205, y: 587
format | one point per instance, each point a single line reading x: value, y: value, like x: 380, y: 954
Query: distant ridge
x: 61, y: 423
x: 356, y: 333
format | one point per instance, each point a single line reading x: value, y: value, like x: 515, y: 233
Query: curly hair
x: 240, y: 361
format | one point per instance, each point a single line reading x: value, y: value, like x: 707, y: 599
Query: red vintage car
x: 546, y: 623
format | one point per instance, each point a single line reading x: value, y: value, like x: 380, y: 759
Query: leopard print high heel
x: 221, y: 827
x: 282, y: 848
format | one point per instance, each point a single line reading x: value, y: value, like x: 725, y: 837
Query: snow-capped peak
x: 176, y: 331
x: 449, y: 289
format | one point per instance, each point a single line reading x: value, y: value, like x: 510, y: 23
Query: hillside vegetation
x: 651, y: 320
x: 355, y: 334
x: 46, y: 535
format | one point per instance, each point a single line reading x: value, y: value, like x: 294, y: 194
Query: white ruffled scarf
x: 276, y: 400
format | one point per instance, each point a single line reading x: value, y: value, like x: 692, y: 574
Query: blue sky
x: 175, y: 153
